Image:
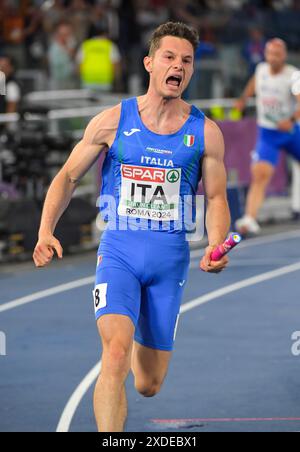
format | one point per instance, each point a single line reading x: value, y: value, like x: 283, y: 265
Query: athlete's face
x: 5, y: 66
x: 171, y: 67
x: 275, y: 55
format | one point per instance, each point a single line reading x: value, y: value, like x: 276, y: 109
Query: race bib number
x: 272, y: 109
x: 99, y: 294
x: 150, y: 193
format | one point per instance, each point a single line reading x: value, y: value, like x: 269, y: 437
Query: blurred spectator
x: 288, y: 24
x: 10, y: 102
x: 54, y: 12
x: 129, y: 44
x: 61, y: 58
x: 187, y: 11
x: 34, y: 36
x: 149, y: 15
x: 13, y: 31
x: 108, y: 10
x: 254, y: 48
x: 204, y: 50
x: 230, y: 36
x: 99, y: 61
x: 79, y: 15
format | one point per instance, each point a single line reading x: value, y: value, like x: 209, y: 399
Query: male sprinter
x: 156, y: 146
x: 278, y: 107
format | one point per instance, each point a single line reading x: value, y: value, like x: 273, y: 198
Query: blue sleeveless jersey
x: 149, y: 181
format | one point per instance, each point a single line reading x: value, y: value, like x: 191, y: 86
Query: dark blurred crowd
x: 61, y: 36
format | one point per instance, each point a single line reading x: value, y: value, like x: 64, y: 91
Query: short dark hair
x: 176, y: 29
x: 99, y: 28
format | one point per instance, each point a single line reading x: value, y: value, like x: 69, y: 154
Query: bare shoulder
x: 214, y: 140
x: 110, y: 116
x: 103, y: 127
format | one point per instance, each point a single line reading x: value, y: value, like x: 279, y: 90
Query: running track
x: 232, y: 370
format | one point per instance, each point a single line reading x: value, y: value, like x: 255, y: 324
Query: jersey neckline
x: 159, y: 134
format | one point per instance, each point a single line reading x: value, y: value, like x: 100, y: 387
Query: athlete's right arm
x: 248, y: 92
x: 99, y: 135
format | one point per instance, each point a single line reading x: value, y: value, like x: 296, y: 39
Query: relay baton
x: 232, y: 241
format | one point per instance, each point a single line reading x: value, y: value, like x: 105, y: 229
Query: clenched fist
x: 209, y: 266
x: 44, y: 250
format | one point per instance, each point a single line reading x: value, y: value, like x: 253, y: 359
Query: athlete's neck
x: 276, y: 70
x: 162, y: 110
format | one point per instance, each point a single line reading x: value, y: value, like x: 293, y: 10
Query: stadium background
x: 52, y: 112
x: 35, y: 142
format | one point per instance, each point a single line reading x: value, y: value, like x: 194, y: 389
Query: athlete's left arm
x: 287, y: 124
x: 215, y: 186
x: 296, y: 115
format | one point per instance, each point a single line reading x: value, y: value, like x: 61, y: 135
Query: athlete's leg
x: 149, y: 367
x: 293, y: 145
x: 161, y: 296
x: 110, y: 404
x: 265, y: 159
x: 293, y: 148
x: 262, y: 173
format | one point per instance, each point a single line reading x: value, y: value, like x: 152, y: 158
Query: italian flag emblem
x: 189, y: 140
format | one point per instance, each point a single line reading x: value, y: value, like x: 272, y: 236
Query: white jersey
x: 274, y: 98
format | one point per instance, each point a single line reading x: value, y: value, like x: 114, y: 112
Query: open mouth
x: 174, y: 80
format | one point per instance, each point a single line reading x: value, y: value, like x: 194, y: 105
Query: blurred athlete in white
x: 278, y: 110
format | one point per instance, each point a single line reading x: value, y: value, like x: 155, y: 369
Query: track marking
x: 195, y: 264
x: 240, y: 285
x: 82, y: 389
x: 177, y: 422
x: 72, y: 405
x: 46, y: 293
x: 195, y: 254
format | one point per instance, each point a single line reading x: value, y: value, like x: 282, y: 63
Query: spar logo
x: 142, y: 174
x: 173, y: 176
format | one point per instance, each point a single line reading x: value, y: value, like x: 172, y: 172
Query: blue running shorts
x: 271, y: 142
x: 141, y: 274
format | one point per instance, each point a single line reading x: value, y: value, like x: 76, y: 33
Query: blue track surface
x: 232, y: 360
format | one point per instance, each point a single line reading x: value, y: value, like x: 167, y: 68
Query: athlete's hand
x: 286, y: 125
x: 240, y: 105
x: 44, y: 250
x: 209, y: 266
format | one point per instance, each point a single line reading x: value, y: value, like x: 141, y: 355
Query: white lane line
x: 82, y: 389
x: 195, y: 264
x: 72, y: 405
x: 240, y: 285
x: 195, y: 254
x: 46, y: 293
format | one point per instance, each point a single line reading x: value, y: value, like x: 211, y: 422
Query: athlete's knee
x: 148, y: 388
x: 116, y: 359
x: 262, y: 173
